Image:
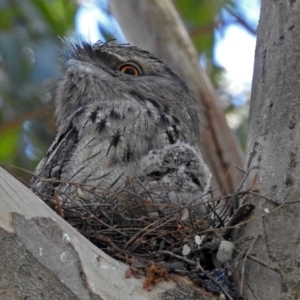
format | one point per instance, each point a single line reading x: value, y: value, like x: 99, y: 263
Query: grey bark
x: 156, y: 26
x: 43, y: 257
x: 274, y: 135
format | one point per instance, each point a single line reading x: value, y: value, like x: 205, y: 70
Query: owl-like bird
x: 122, y: 114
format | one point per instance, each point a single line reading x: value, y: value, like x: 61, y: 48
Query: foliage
x: 28, y: 43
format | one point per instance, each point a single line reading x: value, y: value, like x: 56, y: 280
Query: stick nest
x: 157, y: 237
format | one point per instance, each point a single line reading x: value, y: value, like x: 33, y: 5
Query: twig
x: 145, y: 229
x: 240, y: 169
x: 251, y: 155
x: 245, y: 177
x: 239, y: 215
x: 254, y: 294
x: 263, y: 263
x: 58, y: 205
x: 244, y: 262
x: 197, y: 265
x: 243, y: 240
x: 183, y: 258
x: 259, y: 195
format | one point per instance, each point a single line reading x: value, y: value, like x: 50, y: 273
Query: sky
x: 235, y: 49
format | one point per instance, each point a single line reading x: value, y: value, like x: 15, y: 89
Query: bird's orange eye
x: 130, y: 70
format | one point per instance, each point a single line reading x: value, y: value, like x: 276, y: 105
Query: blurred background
x: 31, y: 57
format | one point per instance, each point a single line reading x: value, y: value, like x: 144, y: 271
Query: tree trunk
x: 274, y: 136
x: 156, y: 26
x: 43, y: 257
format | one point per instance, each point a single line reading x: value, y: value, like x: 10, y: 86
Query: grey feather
x: 114, y: 126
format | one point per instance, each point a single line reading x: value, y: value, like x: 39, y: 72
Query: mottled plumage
x: 115, y: 124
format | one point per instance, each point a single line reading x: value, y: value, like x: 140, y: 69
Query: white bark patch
x: 186, y: 250
x: 66, y: 238
x: 225, y: 251
x: 63, y: 257
x: 199, y: 239
x: 184, y: 214
x: 106, y: 267
x: 81, y: 195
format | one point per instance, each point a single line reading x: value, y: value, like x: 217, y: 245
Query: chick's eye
x: 130, y: 70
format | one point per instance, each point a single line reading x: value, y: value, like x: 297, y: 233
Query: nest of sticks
x: 157, y: 238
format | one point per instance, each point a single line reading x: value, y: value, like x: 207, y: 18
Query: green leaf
x: 59, y: 14
x: 7, y: 16
x: 9, y: 140
x: 201, y: 17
